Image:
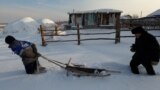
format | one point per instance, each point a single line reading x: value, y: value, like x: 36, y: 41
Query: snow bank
x: 23, y: 29
x: 27, y: 29
x: 27, y: 25
x: 46, y: 22
x: 50, y: 25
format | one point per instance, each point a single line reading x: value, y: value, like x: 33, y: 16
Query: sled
x: 81, y: 70
x: 86, y: 71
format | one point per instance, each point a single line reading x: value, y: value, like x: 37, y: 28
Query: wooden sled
x: 81, y: 70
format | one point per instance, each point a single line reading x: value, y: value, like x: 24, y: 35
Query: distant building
x: 151, y: 21
x: 125, y: 21
x: 94, y: 18
x: 154, y: 14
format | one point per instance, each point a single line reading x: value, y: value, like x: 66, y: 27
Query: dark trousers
x: 135, y: 62
x: 31, y: 67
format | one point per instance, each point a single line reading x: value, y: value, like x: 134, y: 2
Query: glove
x: 38, y: 54
x: 133, y: 48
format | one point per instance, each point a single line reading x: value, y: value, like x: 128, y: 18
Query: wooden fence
x: 132, y: 36
x: 77, y: 35
x: 152, y: 23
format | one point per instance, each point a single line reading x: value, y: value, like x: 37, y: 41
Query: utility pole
x: 141, y: 14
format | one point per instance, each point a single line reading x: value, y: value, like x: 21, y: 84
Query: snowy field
x: 101, y: 54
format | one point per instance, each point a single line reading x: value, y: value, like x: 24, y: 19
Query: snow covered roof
x: 126, y: 17
x: 154, y: 14
x: 98, y: 11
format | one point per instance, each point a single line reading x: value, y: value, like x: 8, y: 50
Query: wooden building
x: 151, y: 21
x: 94, y: 18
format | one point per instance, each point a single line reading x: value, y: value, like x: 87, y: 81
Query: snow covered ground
x: 102, y: 54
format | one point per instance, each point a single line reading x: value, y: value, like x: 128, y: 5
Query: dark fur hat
x: 138, y: 30
x: 9, y: 39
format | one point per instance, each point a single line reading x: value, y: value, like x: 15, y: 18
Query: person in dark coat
x: 27, y: 51
x: 146, y: 50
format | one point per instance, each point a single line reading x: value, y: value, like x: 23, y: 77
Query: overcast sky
x: 57, y: 10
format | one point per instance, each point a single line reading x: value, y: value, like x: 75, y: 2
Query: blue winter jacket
x: 18, y: 46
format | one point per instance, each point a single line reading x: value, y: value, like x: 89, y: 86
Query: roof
x: 97, y: 11
x: 154, y: 14
x: 126, y: 17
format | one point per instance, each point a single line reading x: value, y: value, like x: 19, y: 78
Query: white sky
x: 57, y: 9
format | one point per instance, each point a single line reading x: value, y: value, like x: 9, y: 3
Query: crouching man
x: 27, y: 51
x: 146, y: 51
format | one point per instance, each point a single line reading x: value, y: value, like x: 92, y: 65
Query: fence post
x: 56, y: 31
x: 78, y: 34
x: 117, y: 36
x: 42, y: 36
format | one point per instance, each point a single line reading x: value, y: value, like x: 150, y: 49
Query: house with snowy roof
x: 154, y: 14
x: 151, y: 21
x: 94, y: 18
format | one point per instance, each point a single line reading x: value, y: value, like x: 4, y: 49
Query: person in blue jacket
x: 27, y: 51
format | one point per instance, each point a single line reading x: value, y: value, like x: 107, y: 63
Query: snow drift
x: 27, y: 25
x: 46, y: 22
